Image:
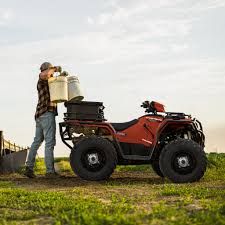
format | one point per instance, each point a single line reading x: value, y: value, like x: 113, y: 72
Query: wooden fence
x: 8, y: 147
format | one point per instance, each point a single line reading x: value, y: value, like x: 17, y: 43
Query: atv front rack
x: 176, y: 116
x: 199, y: 135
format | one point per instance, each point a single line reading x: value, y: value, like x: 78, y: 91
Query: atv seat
x: 123, y: 126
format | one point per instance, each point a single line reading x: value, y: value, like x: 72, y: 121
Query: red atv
x: 172, y: 142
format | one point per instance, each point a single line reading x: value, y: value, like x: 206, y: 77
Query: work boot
x: 29, y: 173
x: 52, y: 175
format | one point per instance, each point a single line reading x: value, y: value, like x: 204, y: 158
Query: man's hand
x: 58, y: 69
x: 64, y: 73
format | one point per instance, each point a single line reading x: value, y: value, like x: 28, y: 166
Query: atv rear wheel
x: 156, y: 168
x: 183, y: 161
x: 93, y: 158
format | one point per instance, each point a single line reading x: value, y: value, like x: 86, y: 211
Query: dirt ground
x: 135, y: 192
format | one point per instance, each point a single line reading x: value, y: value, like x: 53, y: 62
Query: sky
x: 123, y: 51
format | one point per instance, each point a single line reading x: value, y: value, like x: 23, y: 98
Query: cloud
x: 138, y: 27
x: 163, y: 18
x: 176, y: 48
x: 145, y: 28
x: 5, y: 16
x: 121, y: 14
x: 209, y: 4
x: 90, y: 21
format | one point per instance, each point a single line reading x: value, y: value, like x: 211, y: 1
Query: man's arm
x: 46, y: 74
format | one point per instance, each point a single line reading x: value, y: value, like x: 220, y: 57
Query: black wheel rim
x: 93, y: 159
x: 183, y: 163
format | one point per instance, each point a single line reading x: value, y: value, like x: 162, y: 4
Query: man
x: 45, y: 123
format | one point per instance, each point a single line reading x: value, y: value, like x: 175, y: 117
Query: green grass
x: 134, y: 195
x: 76, y: 209
x: 142, y: 168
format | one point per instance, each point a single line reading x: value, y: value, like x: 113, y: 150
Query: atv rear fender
x: 104, y: 128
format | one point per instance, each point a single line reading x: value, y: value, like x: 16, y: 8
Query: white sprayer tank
x: 74, y: 90
x: 58, y: 89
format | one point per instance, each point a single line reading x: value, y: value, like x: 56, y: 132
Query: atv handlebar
x: 149, y: 106
x: 145, y: 104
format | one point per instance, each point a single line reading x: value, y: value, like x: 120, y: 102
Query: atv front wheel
x: 93, y: 158
x: 183, y: 161
x: 156, y: 168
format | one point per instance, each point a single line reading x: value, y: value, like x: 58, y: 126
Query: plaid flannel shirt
x: 44, y: 103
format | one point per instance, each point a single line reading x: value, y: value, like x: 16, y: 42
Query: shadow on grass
x: 118, y: 179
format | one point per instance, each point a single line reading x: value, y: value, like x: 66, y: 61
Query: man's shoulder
x: 41, y: 80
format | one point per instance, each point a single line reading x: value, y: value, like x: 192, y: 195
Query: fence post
x: 1, y: 143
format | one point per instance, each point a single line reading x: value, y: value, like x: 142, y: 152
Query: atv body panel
x: 137, y: 141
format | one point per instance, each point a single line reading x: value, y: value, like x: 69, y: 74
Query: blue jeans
x: 45, y: 130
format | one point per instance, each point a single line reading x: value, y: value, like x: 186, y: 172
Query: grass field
x: 133, y: 195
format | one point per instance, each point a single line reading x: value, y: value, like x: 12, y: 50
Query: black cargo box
x: 82, y: 110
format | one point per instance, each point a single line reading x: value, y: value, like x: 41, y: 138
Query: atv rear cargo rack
x: 90, y: 111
